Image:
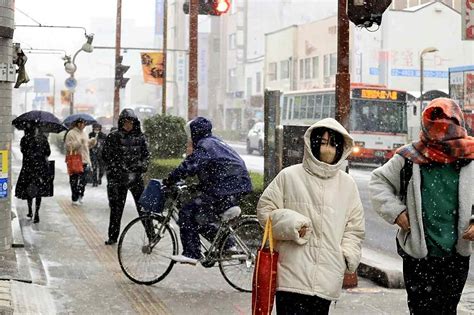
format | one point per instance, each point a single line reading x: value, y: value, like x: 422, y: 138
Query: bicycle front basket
x: 152, y: 198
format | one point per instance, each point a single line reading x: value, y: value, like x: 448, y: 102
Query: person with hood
x: 76, y: 141
x: 96, y: 155
x: 432, y: 204
x: 318, y: 222
x: 33, y: 178
x: 127, y: 155
x: 223, y: 179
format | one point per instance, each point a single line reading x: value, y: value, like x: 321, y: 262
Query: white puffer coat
x: 324, y: 198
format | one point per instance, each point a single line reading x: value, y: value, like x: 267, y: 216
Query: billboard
x: 153, y: 67
x: 467, y: 19
x: 461, y: 86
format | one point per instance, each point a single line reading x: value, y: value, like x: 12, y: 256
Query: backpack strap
x: 405, y: 174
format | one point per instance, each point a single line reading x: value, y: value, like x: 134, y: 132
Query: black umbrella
x: 79, y: 116
x: 45, y: 121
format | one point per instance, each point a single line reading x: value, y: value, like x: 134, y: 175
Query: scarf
x: 443, y: 138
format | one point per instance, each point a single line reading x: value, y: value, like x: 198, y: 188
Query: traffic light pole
x: 193, y: 58
x: 343, y: 77
x: 165, y: 55
x: 118, y: 30
x: 343, y: 86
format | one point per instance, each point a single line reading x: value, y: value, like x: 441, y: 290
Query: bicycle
x: 147, y: 243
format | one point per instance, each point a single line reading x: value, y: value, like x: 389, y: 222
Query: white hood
x: 313, y: 165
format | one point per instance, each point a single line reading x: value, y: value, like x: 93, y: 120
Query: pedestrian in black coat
x: 98, y: 167
x: 34, y: 175
x: 126, y: 154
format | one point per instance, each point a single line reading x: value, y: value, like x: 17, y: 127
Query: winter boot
x: 37, y: 218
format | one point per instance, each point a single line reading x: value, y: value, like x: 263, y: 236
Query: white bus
x: 378, y: 117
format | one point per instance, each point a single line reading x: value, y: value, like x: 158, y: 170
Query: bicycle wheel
x: 144, y: 261
x: 238, y: 253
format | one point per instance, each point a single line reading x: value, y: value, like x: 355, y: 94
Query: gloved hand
x: 168, y: 182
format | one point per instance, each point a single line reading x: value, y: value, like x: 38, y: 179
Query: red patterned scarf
x: 443, y: 138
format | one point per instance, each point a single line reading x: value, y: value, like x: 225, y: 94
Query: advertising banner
x: 469, y: 90
x: 467, y: 19
x: 152, y: 66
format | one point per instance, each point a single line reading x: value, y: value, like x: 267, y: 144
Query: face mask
x: 327, y: 154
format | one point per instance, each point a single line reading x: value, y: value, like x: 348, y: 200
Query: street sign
x: 41, y: 85
x: 70, y: 83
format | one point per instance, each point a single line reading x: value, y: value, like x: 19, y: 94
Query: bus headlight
x: 397, y: 145
x: 356, y: 149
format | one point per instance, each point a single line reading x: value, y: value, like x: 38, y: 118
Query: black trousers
x: 434, y: 284
x: 289, y: 303
x: 98, y: 170
x: 117, y: 194
x: 78, y: 184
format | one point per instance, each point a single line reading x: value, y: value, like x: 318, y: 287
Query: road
x: 379, y: 236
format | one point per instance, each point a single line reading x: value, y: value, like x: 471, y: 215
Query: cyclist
x: 223, y: 179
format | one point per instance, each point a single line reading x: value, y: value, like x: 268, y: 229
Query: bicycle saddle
x: 231, y: 213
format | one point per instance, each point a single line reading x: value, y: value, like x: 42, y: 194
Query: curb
x: 384, y: 270
x: 6, y: 307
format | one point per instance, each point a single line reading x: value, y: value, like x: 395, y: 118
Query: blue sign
x: 3, y: 187
x: 374, y: 71
x: 70, y: 83
x: 416, y: 73
x: 41, y: 85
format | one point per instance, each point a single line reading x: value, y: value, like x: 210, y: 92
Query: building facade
x: 388, y: 56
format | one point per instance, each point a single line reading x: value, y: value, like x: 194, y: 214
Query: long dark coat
x: 35, y: 174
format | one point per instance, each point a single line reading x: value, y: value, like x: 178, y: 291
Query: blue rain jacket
x: 221, y: 171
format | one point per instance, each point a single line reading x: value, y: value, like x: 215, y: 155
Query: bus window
x: 285, y: 108
x: 378, y: 116
x: 310, y: 113
x: 304, y: 101
x: 297, y: 107
x: 326, y: 105
x: 318, y: 106
x: 290, y: 109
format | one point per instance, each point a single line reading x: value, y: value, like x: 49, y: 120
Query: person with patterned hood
x: 317, y: 220
x: 435, y: 217
x: 223, y: 180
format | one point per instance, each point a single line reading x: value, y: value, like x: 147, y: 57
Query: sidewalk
x: 63, y: 268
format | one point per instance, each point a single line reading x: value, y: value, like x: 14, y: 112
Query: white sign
x: 467, y: 19
x: 3, y: 71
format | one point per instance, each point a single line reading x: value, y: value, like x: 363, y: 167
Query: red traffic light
x: 221, y: 6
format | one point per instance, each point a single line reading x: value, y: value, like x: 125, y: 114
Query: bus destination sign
x: 377, y: 94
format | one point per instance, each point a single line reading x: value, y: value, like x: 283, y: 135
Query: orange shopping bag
x: 74, y: 163
x: 264, y: 276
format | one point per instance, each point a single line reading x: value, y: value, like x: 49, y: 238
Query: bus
x: 377, y: 121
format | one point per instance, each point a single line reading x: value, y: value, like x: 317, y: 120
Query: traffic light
x: 365, y: 13
x: 120, y: 70
x: 210, y: 7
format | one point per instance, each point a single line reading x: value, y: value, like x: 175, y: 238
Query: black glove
x: 168, y: 182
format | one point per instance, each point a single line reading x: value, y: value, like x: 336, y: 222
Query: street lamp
x: 425, y: 51
x: 54, y: 90
x: 70, y: 67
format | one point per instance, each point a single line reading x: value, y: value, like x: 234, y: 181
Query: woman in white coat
x: 318, y: 222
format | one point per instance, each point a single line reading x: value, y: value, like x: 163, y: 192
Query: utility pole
x: 118, y: 31
x: 193, y: 58
x: 7, y: 8
x: 165, y: 55
x: 343, y: 77
x: 343, y: 90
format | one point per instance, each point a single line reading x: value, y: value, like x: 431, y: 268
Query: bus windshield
x: 378, y: 116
